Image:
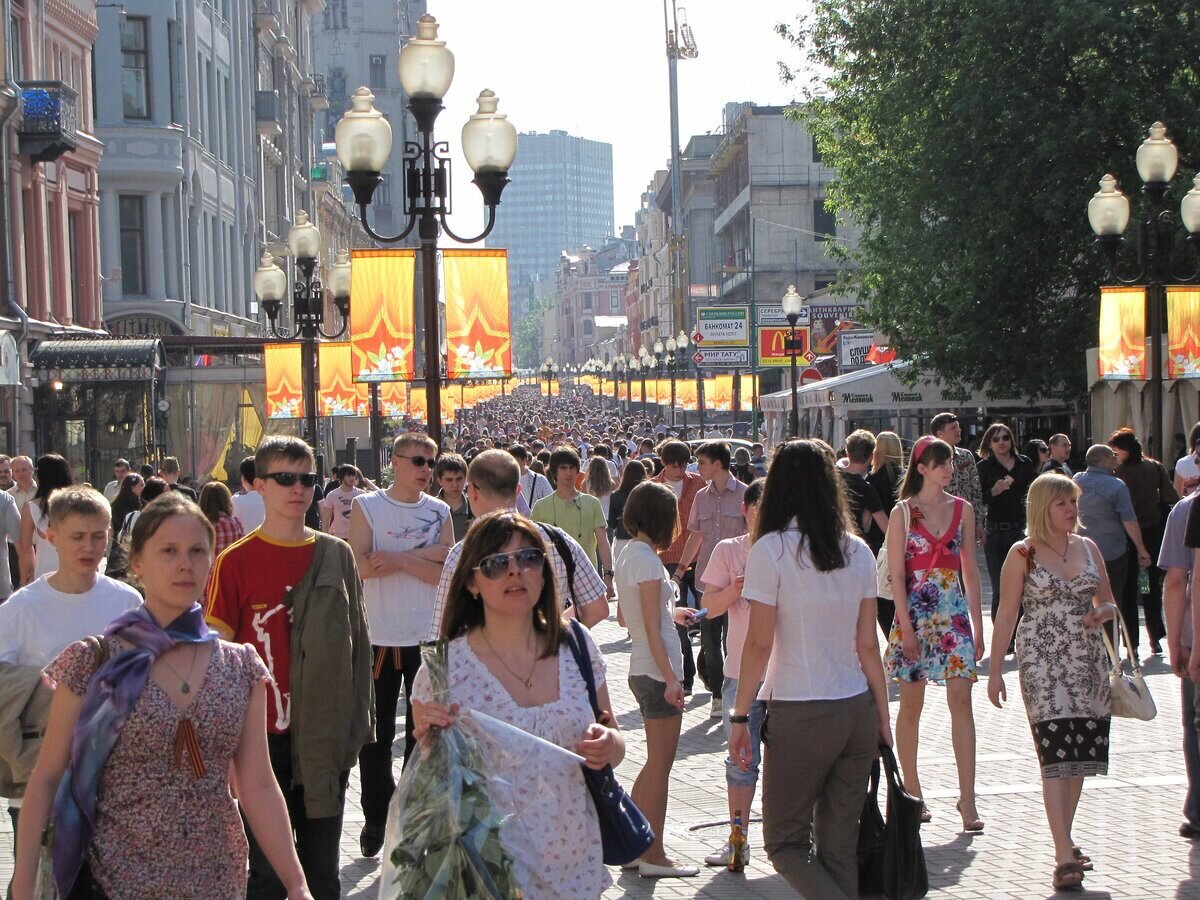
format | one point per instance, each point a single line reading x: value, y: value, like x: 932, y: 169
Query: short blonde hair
x: 78, y: 500
x: 1044, y: 491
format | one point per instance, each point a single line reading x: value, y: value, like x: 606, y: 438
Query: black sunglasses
x: 1002, y: 437
x: 418, y: 461
x: 496, y: 566
x: 289, y: 479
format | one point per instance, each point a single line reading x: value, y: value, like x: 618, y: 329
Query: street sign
x: 774, y: 346
x: 737, y: 358
x: 773, y: 316
x: 808, y: 376
x: 853, y: 347
x: 722, y: 326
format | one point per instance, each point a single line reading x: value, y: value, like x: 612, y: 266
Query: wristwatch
x: 608, y: 573
x: 739, y: 720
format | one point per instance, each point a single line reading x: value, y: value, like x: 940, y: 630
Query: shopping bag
x: 904, y: 874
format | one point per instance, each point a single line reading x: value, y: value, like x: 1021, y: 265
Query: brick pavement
x: 1127, y: 821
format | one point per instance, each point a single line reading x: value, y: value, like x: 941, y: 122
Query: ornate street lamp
x: 793, y: 307
x: 364, y: 143
x: 1108, y: 214
x: 308, y: 309
x: 549, y: 369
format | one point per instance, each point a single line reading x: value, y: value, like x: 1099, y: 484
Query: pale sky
x: 599, y: 70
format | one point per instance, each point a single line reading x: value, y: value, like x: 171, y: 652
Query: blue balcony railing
x: 49, y: 120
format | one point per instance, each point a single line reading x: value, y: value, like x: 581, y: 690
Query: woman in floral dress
x: 938, y: 632
x: 1058, y: 583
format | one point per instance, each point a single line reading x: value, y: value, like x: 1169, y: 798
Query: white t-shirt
x: 1186, y: 468
x: 400, y: 606
x: 814, y: 655
x: 37, y: 622
x: 727, y: 562
x: 639, y: 563
x: 340, y: 501
x: 248, y: 508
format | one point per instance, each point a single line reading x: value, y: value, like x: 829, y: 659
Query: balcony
x: 318, y: 95
x: 49, y: 119
x: 266, y: 113
x: 266, y: 19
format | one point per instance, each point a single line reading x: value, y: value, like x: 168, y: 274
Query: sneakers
x: 721, y: 857
x: 717, y: 708
x: 649, y: 870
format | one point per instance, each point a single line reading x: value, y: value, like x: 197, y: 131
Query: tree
x: 527, y: 335
x: 968, y: 136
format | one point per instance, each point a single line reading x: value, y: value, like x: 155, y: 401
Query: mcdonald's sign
x: 774, y: 349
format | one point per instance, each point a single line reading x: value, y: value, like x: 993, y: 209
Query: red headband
x: 920, y: 447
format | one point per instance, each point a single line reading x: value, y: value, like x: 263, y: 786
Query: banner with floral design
x: 1122, y: 352
x: 1183, y: 331
x: 285, y: 382
x: 381, y: 314
x: 478, y: 336
x: 337, y: 394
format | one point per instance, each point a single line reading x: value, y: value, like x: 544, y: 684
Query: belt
x: 1008, y: 526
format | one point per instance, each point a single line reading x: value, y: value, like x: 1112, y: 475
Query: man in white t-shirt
x: 400, y: 538
x: 248, y: 505
x: 120, y: 470
x: 76, y: 601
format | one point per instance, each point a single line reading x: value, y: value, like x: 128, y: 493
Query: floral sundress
x: 937, y: 607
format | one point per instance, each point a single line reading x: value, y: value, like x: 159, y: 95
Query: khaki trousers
x: 816, y: 762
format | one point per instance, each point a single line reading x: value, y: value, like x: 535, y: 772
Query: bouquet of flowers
x: 443, y: 833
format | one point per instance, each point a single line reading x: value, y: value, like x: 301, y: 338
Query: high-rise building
x: 560, y: 199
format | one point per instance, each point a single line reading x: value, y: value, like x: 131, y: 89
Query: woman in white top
x: 811, y: 585
x: 646, y: 598
x: 38, y: 556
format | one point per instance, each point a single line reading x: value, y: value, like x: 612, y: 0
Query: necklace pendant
x: 529, y: 685
x: 185, y: 688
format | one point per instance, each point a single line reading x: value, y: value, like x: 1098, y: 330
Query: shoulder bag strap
x: 583, y: 659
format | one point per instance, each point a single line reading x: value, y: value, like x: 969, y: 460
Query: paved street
x: 1126, y: 821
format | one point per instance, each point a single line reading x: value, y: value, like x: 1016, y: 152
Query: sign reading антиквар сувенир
x: 722, y: 326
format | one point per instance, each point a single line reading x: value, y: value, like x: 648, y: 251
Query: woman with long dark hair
x: 37, y: 555
x: 811, y: 585
x: 1153, y: 496
x: 938, y: 634
x: 1004, y: 479
x: 127, y: 500
x: 631, y: 477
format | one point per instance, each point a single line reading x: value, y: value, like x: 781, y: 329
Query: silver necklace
x: 185, y: 686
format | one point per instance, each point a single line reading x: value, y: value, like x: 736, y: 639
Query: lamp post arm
x: 282, y: 333
x: 362, y: 216
x: 491, y: 222
x: 333, y: 336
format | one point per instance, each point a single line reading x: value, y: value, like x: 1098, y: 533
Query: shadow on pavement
x: 1190, y: 887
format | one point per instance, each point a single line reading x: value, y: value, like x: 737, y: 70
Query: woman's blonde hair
x: 888, y: 451
x: 1044, y: 491
x: 599, y: 481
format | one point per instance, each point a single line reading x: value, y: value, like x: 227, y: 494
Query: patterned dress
x: 937, y: 606
x: 1064, y: 672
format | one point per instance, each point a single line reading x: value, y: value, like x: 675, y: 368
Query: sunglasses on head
x: 289, y: 479
x: 418, y: 461
x: 496, y: 566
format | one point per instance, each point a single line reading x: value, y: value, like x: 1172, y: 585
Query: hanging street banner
x: 1183, y: 331
x: 285, y: 394
x: 722, y: 358
x: 381, y: 314
x: 337, y: 394
x: 478, y: 336
x: 853, y: 348
x: 722, y: 326
x: 774, y: 347
x: 1122, y: 351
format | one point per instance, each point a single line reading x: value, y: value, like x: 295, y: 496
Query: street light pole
x: 364, y: 143
x: 793, y: 306
x: 1108, y: 214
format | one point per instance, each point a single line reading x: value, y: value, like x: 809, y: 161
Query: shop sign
x: 853, y: 347
x: 722, y: 326
x: 774, y: 347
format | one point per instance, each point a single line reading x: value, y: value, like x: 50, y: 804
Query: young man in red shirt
x: 294, y: 594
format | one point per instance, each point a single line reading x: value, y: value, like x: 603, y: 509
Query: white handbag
x: 883, y: 575
x: 1130, y: 696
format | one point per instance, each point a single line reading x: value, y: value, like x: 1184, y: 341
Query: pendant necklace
x: 185, y: 686
x: 527, y: 681
x: 1066, y: 550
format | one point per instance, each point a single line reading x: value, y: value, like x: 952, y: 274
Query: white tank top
x: 45, y: 554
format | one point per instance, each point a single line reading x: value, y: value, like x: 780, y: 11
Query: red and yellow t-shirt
x: 247, y: 594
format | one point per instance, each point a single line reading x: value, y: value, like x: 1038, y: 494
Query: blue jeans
x: 1191, y: 751
x: 734, y: 776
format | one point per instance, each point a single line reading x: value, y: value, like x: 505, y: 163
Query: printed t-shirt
x: 340, y: 502
x: 248, y: 595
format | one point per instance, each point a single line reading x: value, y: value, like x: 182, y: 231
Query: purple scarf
x: 111, y: 694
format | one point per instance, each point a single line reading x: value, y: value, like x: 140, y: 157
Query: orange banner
x: 285, y: 382
x: 1183, y: 331
x: 337, y: 393
x: 478, y: 336
x: 381, y: 314
x: 1122, y: 352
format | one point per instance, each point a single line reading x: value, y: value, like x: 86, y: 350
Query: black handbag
x: 904, y: 876
x: 624, y: 832
x: 872, y: 839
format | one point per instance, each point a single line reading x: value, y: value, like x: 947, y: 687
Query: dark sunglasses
x: 1002, y: 437
x: 418, y: 461
x: 289, y: 479
x: 496, y: 566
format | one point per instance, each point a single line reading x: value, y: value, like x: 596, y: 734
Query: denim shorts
x: 734, y: 776
x: 649, y: 694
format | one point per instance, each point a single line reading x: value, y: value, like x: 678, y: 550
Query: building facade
x: 560, y: 199
x: 589, y: 295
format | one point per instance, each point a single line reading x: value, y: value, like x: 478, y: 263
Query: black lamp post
x: 626, y: 364
x: 364, y: 142
x: 1108, y: 214
x: 793, y: 307
x: 681, y: 346
x: 308, y: 309
x: 549, y: 369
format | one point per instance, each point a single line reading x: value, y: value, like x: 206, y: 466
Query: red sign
x: 808, y: 376
x: 698, y: 337
x: 774, y: 346
x: 698, y: 357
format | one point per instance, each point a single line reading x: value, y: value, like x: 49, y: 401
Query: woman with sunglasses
x: 1004, y: 478
x: 507, y: 658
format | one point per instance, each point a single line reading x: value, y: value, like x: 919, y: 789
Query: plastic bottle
x: 737, y: 844
x: 1143, y: 581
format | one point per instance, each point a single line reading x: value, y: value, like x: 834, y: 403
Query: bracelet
x: 739, y: 720
x: 608, y: 573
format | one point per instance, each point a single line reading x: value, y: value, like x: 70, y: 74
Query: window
x: 135, y: 68
x: 378, y: 71
x: 816, y: 151
x: 74, y: 285
x: 335, y: 14
x: 823, y: 223
x: 18, y: 62
x: 132, y: 209
x: 587, y: 301
x: 172, y: 72
x: 614, y: 300
x: 587, y: 327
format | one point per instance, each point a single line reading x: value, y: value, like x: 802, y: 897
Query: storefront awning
x: 98, y: 359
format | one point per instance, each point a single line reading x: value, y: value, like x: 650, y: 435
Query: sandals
x: 1064, y: 879
x: 1082, y: 858
x: 972, y: 825
x: 926, y: 815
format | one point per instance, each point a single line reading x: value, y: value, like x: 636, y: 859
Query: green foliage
x: 968, y: 136
x: 527, y: 334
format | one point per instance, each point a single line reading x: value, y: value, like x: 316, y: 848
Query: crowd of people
x: 191, y: 668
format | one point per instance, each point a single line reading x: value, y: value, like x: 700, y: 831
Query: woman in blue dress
x: 937, y: 634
